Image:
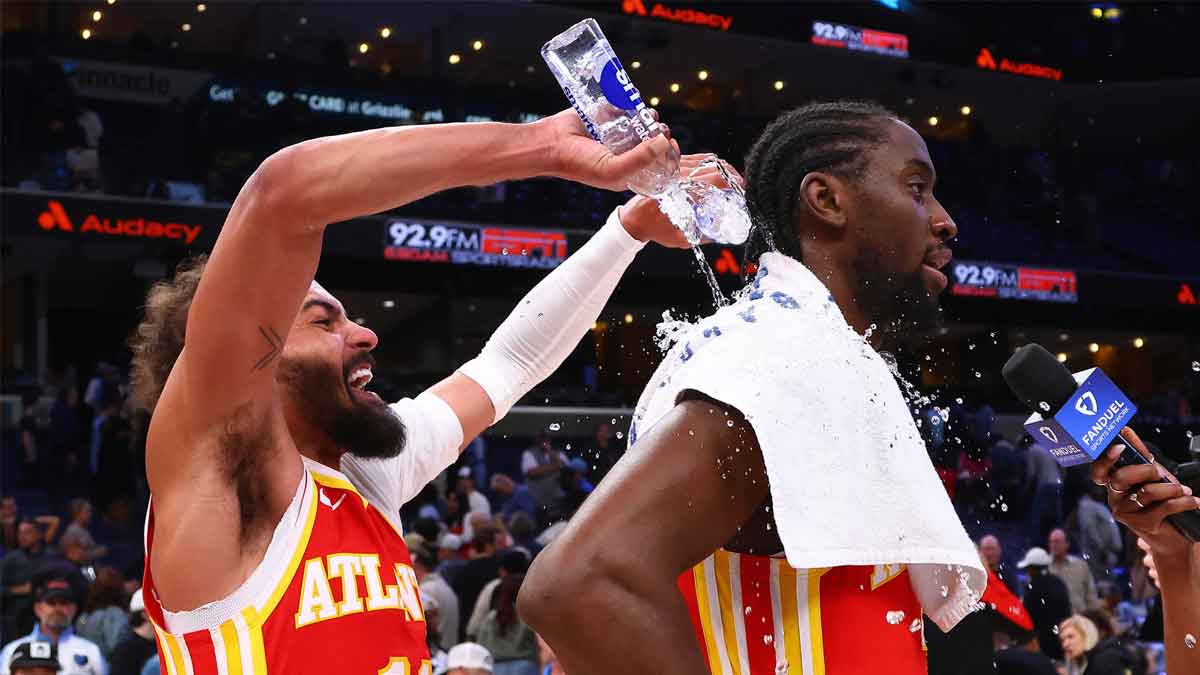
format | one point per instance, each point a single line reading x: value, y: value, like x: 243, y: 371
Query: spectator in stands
x: 55, y: 608
x: 1007, y: 476
x: 450, y: 561
x: 81, y: 516
x: 515, y: 498
x: 67, y: 441
x: 476, y: 454
x: 1024, y: 657
x: 8, y: 523
x: 1045, y: 480
x: 17, y: 571
x: 993, y: 555
x: 514, y: 561
x: 1085, y: 653
x: 110, y: 459
x: 106, y: 374
x: 469, y: 658
x: 432, y: 584
x: 433, y: 638
x: 33, y: 658
x: 1046, y: 599
x: 104, y: 620
x: 137, y: 645
x: 1074, y: 572
x: 575, y: 486
x: 476, y: 501
x: 542, y: 465
x: 482, y: 568
x: 1115, y: 608
x: 606, y: 451
x: 1100, y: 538
x: 511, y: 642
x: 524, y: 533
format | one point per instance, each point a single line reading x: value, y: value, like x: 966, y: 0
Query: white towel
x: 850, y: 478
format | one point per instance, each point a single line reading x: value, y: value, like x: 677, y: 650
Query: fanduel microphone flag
x: 1087, y: 423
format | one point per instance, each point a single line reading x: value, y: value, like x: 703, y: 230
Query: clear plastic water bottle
x: 612, y: 110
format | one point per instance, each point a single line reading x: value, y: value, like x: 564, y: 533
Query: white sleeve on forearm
x: 549, y: 321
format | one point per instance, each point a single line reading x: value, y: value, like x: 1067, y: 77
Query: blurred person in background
x: 137, y: 645
x: 434, y: 586
x: 55, y: 608
x: 1099, y: 536
x: 30, y: 439
x: 993, y: 555
x: 606, y: 450
x: 575, y: 486
x: 512, y: 644
x: 77, y: 530
x: 513, y: 561
x: 476, y: 501
x: 1046, y: 599
x: 450, y: 560
x: 1087, y: 653
x: 542, y: 465
x: 433, y: 636
x: 469, y: 658
x: 1045, y: 485
x: 524, y: 533
x: 514, y: 497
x: 483, y: 566
x: 8, y: 523
x: 1074, y: 572
x: 33, y: 658
x: 1024, y: 657
x: 104, y: 620
x: 17, y: 572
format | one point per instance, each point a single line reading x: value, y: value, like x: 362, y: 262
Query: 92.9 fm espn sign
x: 467, y: 244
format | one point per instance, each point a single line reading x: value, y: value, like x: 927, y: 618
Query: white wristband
x: 550, y: 320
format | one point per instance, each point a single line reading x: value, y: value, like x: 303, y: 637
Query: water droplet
x: 978, y: 374
x: 895, y: 617
x: 1045, y: 407
x: 729, y: 423
x: 748, y: 608
x: 1190, y: 641
x: 958, y: 400
x: 915, y: 625
x: 945, y: 591
x: 620, y: 435
x: 971, y: 347
x: 1055, y: 628
x: 768, y: 640
x: 1004, y: 507
x: 1196, y: 366
x: 555, y: 426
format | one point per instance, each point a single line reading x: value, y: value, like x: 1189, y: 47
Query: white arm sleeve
x: 549, y: 321
x: 433, y: 436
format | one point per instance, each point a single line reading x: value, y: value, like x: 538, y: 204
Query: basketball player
x: 273, y: 542
x: 675, y: 564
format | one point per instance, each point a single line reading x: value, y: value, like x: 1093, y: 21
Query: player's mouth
x: 935, y: 260
x: 357, y: 381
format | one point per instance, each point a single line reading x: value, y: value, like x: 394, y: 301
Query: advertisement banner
x: 99, y: 220
x: 1087, y: 423
x: 467, y: 244
x: 138, y: 84
x: 1013, y: 282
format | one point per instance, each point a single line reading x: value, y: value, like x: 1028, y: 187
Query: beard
x: 365, y: 429
x: 898, y: 303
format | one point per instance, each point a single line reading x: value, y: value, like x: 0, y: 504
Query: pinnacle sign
x: 1087, y: 423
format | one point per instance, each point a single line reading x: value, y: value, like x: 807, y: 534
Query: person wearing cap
x: 55, y: 607
x: 469, y: 658
x: 1046, y: 599
x: 450, y: 559
x: 34, y: 658
x: 476, y: 501
x: 137, y: 646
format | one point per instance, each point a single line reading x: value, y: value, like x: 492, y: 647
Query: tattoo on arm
x: 274, y: 342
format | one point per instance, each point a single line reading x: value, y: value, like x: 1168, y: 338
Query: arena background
x: 1064, y: 137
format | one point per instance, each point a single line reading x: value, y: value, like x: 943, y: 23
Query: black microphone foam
x: 1037, y: 378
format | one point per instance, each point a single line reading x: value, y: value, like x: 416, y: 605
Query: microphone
x: 1089, y: 414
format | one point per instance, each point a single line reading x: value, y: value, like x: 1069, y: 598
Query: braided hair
x: 831, y: 137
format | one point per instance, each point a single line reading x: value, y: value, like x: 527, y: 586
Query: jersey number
x: 400, y: 665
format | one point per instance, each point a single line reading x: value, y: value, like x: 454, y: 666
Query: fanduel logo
x: 1087, y: 404
x: 1106, y: 417
x: 1049, y: 434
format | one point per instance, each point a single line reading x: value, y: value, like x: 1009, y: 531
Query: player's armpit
x: 604, y: 595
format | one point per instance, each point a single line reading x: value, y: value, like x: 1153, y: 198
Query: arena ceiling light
x: 1138, y: 343
x: 112, y: 2
x: 778, y: 85
x: 703, y: 75
x: 385, y: 32
x: 477, y: 45
x: 454, y: 59
x: 86, y: 33
x: 933, y: 121
x: 185, y: 27
x: 363, y: 48
x: 1093, y: 347
x: 97, y: 15
x: 674, y: 87
x: 1062, y: 357
x: 628, y: 318
x: 635, y: 65
x: 966, y: 110
x: 653, y: 100
x: 201, y: 8
x: 389, y: 304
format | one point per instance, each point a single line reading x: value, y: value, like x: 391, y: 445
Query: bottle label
x: 620, y: 91
x: 587, y: 122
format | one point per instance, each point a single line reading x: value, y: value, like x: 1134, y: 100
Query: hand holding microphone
x: 1080, y: 422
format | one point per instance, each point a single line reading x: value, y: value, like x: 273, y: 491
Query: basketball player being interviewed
x: 273, y: 541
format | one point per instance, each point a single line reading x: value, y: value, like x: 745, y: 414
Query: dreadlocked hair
x: 158, y: 340
x: 831, y: 137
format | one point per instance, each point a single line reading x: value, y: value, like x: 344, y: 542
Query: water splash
x: 894, y: 617
x: 670, y: 330
x: 555, y: 426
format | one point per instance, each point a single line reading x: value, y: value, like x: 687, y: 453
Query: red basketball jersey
x: 335, y: 593
x: 756, y: 615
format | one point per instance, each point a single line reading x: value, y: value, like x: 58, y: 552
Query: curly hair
x: 158, y: 339
x: 832, y: 137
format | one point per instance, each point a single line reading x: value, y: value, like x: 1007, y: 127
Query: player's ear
x: 824, y: 196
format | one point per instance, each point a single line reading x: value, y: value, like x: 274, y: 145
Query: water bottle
x: 612, y: 110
